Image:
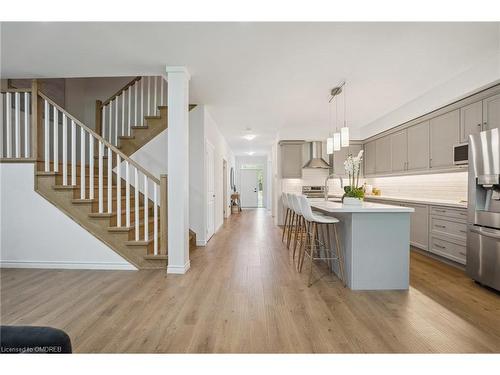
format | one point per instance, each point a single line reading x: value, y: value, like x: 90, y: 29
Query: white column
x: 178, y: 169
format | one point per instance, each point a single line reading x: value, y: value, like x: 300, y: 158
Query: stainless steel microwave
x: 461, y: 154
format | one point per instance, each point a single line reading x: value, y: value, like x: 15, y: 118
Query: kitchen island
x: 376, y: 243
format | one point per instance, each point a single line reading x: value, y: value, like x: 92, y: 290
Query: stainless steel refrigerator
x: 483, y: 237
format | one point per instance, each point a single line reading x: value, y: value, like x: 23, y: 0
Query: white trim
x: 67, y: 265
x: 179, y: 269
x: 201, y: 243
x: 178, y: 69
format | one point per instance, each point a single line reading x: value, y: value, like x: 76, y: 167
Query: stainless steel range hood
x: 316, y: 156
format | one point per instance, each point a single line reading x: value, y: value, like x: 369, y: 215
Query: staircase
x: 90, y: 177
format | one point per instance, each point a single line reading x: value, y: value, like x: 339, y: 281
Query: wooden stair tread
x: 138, y: 243
x: 155, y: 257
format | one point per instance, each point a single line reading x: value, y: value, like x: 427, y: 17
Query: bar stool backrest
x: 289, y: 199
x: 305, y: 208
x: 284, y: 200
x: 296, y: 204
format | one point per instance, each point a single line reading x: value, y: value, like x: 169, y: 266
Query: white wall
x: 197, y: 190
x: 82, y: 93
x: 222, y: 151
x: 36, y: 234
x: 465, y: 84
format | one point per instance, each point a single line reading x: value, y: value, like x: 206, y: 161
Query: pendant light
x: 344, y: 131
x: 329, y: 140
x: 336, y: 135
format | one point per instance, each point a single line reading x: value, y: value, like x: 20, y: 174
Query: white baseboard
x: 67, y: 265
x: 179, y: 269
x: 201, y: 243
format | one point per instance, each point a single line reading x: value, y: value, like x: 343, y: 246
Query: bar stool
x: 314, y: 244
x: 298, y: 230
x: 286, y: 207
x: 291, y: 219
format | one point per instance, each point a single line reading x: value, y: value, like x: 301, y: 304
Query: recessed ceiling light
x: 250, y: 153
x: 249, y: 137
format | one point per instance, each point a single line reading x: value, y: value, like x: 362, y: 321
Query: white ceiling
x: 271, y: 77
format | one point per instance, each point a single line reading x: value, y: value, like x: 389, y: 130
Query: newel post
x: 98, y: 117
x: 163, y: 214
x: 34, y: 121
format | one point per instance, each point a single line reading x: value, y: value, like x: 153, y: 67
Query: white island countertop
x: 365, y: 207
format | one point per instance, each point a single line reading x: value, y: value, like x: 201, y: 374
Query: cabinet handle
x: 439, y: 246
x: 461, y: 253
x: 463, y: 231
x: 440, y: 226
x: 479, y: 124
x: 485, y: 125
x: 439, y: 210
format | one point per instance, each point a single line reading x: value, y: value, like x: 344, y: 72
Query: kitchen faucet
x: 333, y: 175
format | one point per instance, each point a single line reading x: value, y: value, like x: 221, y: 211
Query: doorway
x: 252, y: 185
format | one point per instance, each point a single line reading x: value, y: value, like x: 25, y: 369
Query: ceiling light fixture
x: 250, y: 153
x: 249, y: 137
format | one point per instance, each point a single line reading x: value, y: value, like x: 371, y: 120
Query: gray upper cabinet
x: 471, y: 120
x: 399, y: 150
x: 444, y: 134
x: 383, y: 155
x: 340, y: 156
x: 491, y: 112
x: 418, y: 147
x: 291, y: 160
x: 369, y: 155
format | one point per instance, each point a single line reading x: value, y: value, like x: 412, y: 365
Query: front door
x: 249, y: 188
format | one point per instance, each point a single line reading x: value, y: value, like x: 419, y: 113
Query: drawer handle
x: 439, y: 210
x: 463, y: 231
x: 439, y: 246
x: 461, y: 253
x: 440, y: 226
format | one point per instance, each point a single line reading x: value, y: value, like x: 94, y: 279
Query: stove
x: 313, y: 191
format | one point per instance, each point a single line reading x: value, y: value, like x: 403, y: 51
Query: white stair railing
x: 60, y: 130
x: 140, y: 97
x: 15, y: 119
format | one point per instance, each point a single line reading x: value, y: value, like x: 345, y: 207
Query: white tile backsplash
x: 449, y: 186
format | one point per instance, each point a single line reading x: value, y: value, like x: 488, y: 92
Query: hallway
x: 242, y: 294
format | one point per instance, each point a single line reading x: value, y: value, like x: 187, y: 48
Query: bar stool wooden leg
x: 299, y: 236
x: 329, y: 245
x: 313, y: 248
x: 303, y: 246
x: 339, y: 255
x: 290, y: 226
x: 286, y: 221
x: 298, y: 233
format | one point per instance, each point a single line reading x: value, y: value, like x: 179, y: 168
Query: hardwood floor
x: 243, y: 295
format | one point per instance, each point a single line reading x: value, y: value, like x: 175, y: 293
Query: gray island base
x: 376, y: 242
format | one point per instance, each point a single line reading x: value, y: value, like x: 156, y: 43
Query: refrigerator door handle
x: 487, y: 233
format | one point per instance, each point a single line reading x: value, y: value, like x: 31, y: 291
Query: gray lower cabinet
x: 491, y: 112
x: 370, y: 155
x: 471, y: 120
x: 399, y: 150
x: 383, y: 155
x: 291, y: 160
x: 419, y: 233
x: 444, y: 134
x: 418, y: 146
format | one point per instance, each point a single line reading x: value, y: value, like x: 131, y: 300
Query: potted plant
x: 354, y: 193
